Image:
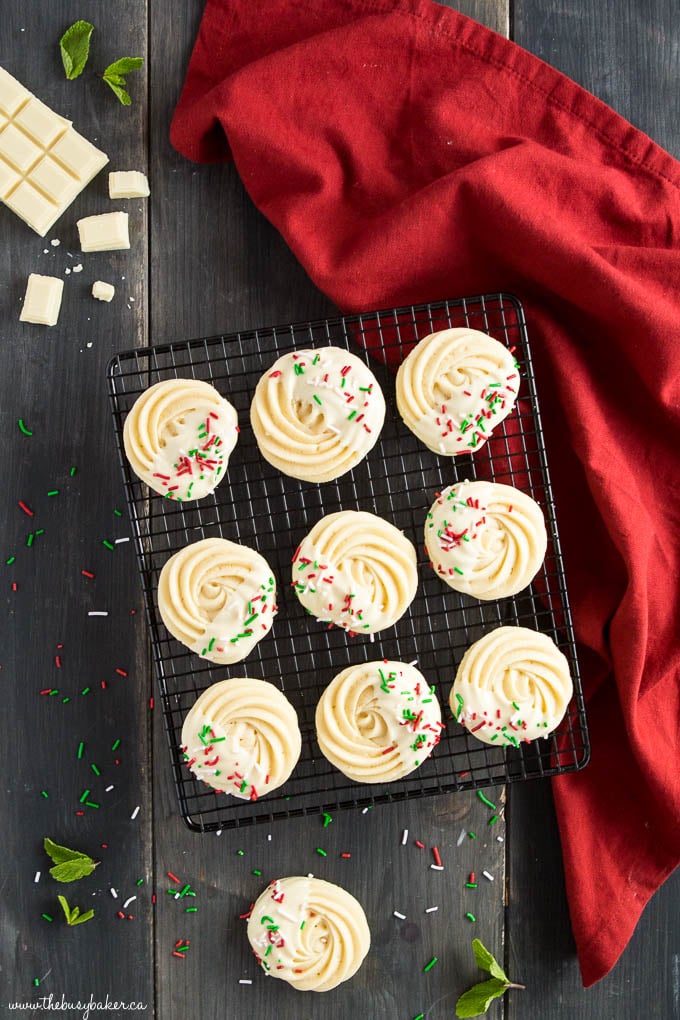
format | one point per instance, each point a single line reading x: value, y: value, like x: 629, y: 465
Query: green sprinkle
x: 493, y: 819
x: 29, y: 540
x: 211, y: 643
x: 26, y: 432
x: 40, y: 531
x: 95, y: 769
x: 326, y: 819
x: 302, y: 926
x: 318, y: 399
x: 471, y: 917
x: 45, y: 794
x: 86, y: 690
x: 242, y: 786
x: 140, y: 881
x: 430, y: 965
x: 472, y: 835
x: 184, y: 891
x: 421, y: 1016
x: 353, y: 414
x: 321, y: 852
x: 53, y: 492
x: 484, y: 800
x: 85, y: 794
x: 241, y: 853
x: 118, y: 513
x: 191, y: 910
x: 115, y: 744
x: 471, y: 885
x: 107, y: 544
x: 299, y: 370
x: 459, y: 699
x: 515, y: 705
x: 81, y: 748
x: 91, y: 803
x: 458, y: 570
x: 47, y: 917
x: 257, y: 872
x: 10, y: 561
x: 73, y: 471
x: 55, y: 691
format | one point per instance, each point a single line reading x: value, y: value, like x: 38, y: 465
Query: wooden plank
x: 628, y: 57
x: 218, y: 266
x: 55, y: 380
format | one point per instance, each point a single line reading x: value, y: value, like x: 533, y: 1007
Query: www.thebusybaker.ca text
x: 84, y: 1008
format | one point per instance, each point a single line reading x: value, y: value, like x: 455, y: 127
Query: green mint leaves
x: 69, y: 865
x: 114, y: 76
x: 73, y: 915
x: 75, y: 48
x: 478, y: 999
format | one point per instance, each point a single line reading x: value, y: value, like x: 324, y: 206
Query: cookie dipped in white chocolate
x: 178, y: 438
x: 512, y: 685
x: 485, y: 539
x: 218, y: 598
x: 242, y: 737
x: 308, y: 932
x: 455, y: 387
x: 378, y: 721
x: 355, y: 570
x: 317, y: 413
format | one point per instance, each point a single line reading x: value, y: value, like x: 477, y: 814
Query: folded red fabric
x: 408, y: 154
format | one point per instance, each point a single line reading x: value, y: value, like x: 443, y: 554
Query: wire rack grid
x: 260, y: 507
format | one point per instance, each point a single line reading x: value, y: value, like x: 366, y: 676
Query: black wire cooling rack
x: 258, y: 506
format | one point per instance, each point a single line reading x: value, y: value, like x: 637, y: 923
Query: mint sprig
x: 477, y: 999
x: 114, y: 76
x: 75, y: 48
x: 73, y: 914
x: 69, y: 865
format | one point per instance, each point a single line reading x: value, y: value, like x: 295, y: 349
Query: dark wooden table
x: 204, y: 261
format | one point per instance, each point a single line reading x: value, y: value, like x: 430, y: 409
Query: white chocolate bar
x: 43, y: 300
x: 44, y: 162
x: 106, y: 232
x: 102, y: 291
x: 128, y: 184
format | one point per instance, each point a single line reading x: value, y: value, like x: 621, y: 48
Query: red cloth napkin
x: 409, y: 154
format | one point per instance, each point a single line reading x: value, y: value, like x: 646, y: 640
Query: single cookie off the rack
x: 317, y: 413
x: 455, y: 387
x: 308, y: 932
x: 218, y: 598
x: 242, y: 737
x: 378, y: 721
x: 512, y: 685
x: 178, y: 438
x: 355, y: 570
x: 485, y: 539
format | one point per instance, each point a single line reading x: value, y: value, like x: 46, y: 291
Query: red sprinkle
x: 26, y: 509
x: 346, y: 856
x: 173, y: 877
x: 87, y: 573
x: 437, y: 858
x: 121, y: 672
x: 421, y: 846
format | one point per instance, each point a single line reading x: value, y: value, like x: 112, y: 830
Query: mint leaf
x: 74, y: 916
x: 124, y: 66
x: 119, y: 91
x: 478, y: 999
x: 487, y: 961
x: 75, y: 48
x: 59, y: 853
x: 69, y: 865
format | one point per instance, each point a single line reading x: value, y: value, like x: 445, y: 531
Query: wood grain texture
x: 628, y: 55
x: 55, y: 380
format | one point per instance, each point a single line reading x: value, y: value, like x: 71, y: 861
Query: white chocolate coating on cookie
x: 308, y: 932
x: 355, y: 570
x: 179, y: 436
x: 455, y: 387
x: 485, y: 539
x: 512, y: 685
x: 218, y: 598
x: 378, y: 721
x: 317, y: 413
x: 241, y: 736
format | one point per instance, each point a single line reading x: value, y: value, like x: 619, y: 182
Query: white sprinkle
x: 119, y: 540
x: 461, y: 837
x: 113, y: 893
x: 269, y: 837
x: 134, y: 813
x: 487, y: 875
x: 46, y: 251
x: 108, y: 788
x: 219, y: 832
x: 365, y: 811
x: 245, y: 981
x: 88, y: 344
x: 37, y: 877
x: 78, y: 268
x: 404, y: 837
x: 67, y: 272
x: 132, y: 299
x: 429, y: 910
x: 371, y: 638
x: 402, y: 917
x: 128, y: 901
x: 437, y: 867
x: 55, y: 242
x: 499, y: 839
x: 97, y: 613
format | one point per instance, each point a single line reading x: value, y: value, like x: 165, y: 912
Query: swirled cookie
x: 355, y: 570
x: 513, y: 684
x: 378, y: 721
x: 485, y: 539
x: 241, y: 736
x: 308, y: 932
x: 317, y: 413
x: 218, y: 598
x: 455, y: 387
x: 178, y: 438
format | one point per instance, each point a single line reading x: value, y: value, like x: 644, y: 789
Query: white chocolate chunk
x: 106, y: 232
x: 43, y: 300
x: 103, y: 291
x: 44, y: 162
x: 128, y: 184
